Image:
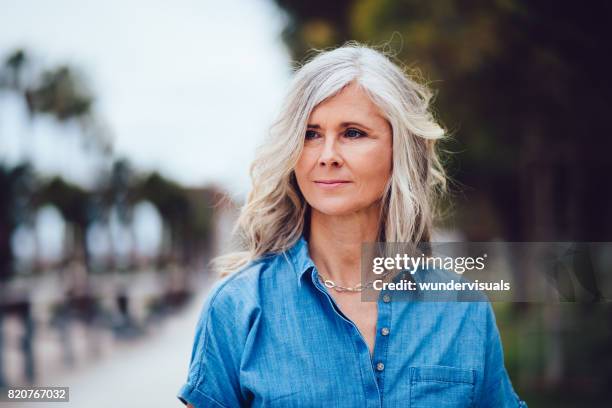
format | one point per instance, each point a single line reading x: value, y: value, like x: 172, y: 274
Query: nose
x: 329, y: 155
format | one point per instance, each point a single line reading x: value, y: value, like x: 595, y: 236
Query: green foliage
x: 61, y: 93
x: 71, y: 200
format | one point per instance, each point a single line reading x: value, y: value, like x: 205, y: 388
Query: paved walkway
x: 143, y: 373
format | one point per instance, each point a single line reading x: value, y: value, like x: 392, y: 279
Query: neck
x: 335, y: 243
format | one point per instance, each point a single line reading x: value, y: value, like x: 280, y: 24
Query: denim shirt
x: 270, y: 335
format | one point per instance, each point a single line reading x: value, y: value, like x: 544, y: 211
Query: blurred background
x: 127, y: 129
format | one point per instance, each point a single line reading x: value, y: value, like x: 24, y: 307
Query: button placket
x: 382, y: 340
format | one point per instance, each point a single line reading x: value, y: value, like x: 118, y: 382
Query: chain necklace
x: 357, y: 288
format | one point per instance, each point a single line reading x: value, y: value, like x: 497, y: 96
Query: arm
x: 215, y: 358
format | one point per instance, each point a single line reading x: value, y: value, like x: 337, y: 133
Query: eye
x: 352, y: 133
x: 311, y: 134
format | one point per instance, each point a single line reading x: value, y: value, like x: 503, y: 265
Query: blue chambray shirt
x: 270, y: 335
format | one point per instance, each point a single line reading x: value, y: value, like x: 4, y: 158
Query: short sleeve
x: 496, y: 390
x: 213, y: 378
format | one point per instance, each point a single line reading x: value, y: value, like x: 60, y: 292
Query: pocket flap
x: 442, y: 374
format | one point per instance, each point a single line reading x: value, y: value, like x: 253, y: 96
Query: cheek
x: 375, y: 170
x: 303, y: 167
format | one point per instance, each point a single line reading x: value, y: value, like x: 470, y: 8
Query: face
x: 347, y: 156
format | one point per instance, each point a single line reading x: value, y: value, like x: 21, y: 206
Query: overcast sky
x: 186, y: 87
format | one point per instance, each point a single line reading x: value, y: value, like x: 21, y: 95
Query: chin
x: 335, y: 208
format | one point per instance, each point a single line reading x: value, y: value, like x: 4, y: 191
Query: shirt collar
x: 300, y: 257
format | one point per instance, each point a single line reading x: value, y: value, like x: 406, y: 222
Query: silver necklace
x: 357, y: 288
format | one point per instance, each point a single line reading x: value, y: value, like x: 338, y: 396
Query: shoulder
x: 239, y: 295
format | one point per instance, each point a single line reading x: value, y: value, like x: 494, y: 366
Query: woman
x: 351, y: 159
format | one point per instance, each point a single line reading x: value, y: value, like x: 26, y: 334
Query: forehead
x: 352, y: 103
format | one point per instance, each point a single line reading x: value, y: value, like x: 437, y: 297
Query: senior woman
x: 350, y: 159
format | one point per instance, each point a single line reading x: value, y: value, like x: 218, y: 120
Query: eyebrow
x: 342, y: 125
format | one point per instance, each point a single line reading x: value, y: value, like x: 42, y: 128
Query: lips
x: 331, y: 184
x: 331, y: 181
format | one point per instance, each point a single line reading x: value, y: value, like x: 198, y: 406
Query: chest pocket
x: 441, y: 387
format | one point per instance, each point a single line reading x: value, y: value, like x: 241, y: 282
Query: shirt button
x: 386, y: 298
x: 384, y: 331
x: 380, y: 366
